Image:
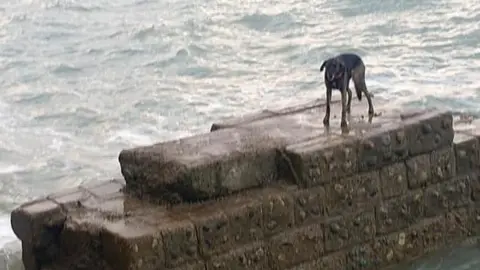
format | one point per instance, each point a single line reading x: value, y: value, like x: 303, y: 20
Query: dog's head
x: 334, y: 69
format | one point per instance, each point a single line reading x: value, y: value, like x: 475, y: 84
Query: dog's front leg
x: 326, y: 119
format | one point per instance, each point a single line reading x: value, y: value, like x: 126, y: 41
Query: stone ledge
x: 258, y: 150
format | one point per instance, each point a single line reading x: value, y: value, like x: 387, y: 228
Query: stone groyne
x: 271, y: 190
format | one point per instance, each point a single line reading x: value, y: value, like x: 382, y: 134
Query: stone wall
x: 271, y: 190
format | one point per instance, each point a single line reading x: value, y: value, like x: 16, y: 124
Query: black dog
x: 338, y: 72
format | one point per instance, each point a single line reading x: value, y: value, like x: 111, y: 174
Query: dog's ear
x: 323, y: 65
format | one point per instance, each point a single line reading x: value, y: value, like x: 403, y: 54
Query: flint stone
x: 399, y: 213
x: 362, y: 257
x: 296, y: 246
x: 331, y: 261
x: 458, y: 226
x: 251, y: 256
x: 346, y: 230
x: 201, y: 166
x: 448, y: 195
x: 245, y: 216
x: 443, y: 164
x: 393, y: 179
x: 352, y: 193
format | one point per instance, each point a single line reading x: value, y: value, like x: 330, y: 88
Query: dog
x: 338, y: 72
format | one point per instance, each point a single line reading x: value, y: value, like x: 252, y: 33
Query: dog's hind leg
x: 358, y: 77
x: 349, y: 102
x: 343, y: 122
x: 326, y: 119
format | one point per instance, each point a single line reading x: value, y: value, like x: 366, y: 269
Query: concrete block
x: 331, y: 261
x: 130, y: 245
x: 418, y: 171
x: 278, y: 211
x: 296, y: 246
x: 212, y: 227
x: 245, y: 218
x: 252, y: 256
x: 31, y: 221
x: 382, y: 146
x: 180, y: 237
x: 458, y: 226
x: 393, y: 180
x: 201, y: 166
x: 322, y: 159
x: 474, y: 219
x: 448, y: 195
x: 474, y: 179
x: 362, y: 257
x: 467, y: 154
x: 351, y: 193
x: 397, y: 247
x: 309, y: 205
x: 342, y: 231
x: 398, y: 213
x: 443, y: 164
x: 428, y: 131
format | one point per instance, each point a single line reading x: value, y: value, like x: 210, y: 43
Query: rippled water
x: 80, y: 80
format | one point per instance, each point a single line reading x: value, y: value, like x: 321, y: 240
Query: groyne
x: 271, y: 190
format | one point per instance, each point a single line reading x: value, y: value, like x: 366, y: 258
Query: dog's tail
x: 323, y: 65
x: 358, y: 77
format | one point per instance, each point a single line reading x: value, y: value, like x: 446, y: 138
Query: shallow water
x: 82, y: 80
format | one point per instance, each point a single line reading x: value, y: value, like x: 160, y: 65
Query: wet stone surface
x: 343, y: 231
x: 296, y: 246
x: 251, y: 256
x: 351, y: 193
x: 443, y: 164
x: 448, y: 195
x: 309, y: 205
x: 466, y: 153
x: 399, y: 213
x: 70, y: 198
x: 106, y: 189
x: 418, y: 171
x: 393, y: 179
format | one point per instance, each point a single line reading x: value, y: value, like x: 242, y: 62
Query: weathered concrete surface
x: 260, y: 149
x: 289, y: 194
